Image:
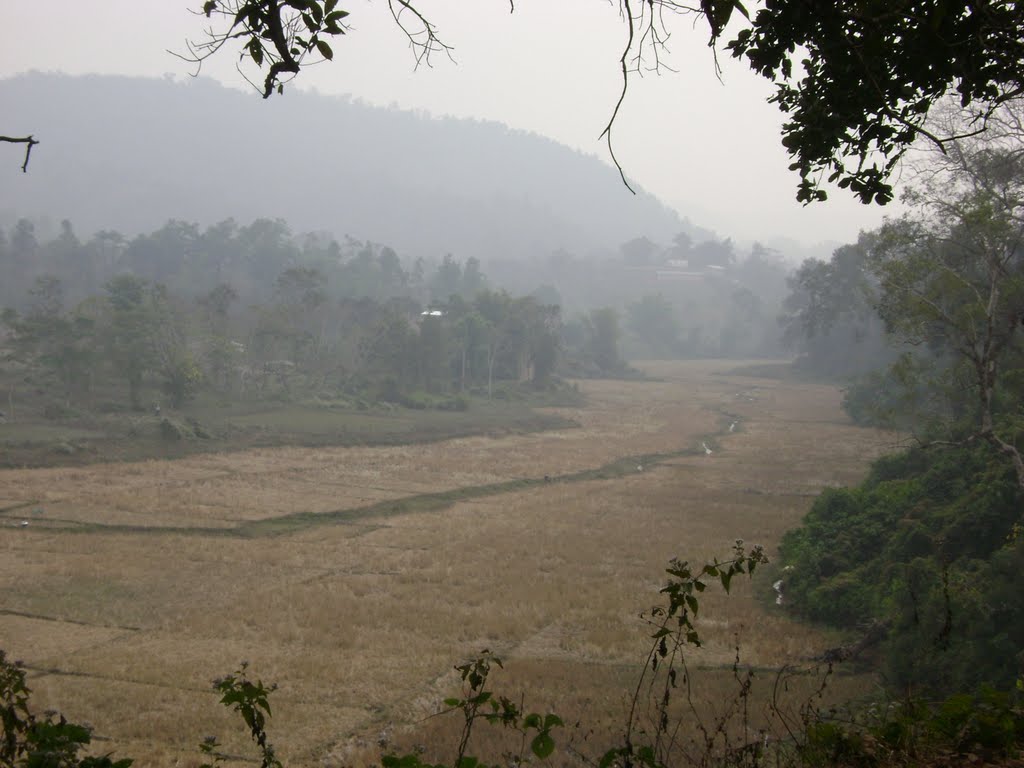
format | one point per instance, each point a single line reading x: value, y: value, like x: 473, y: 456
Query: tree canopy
x: 857, y: 79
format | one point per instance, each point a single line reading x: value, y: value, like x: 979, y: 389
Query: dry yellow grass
x: 359, y: 622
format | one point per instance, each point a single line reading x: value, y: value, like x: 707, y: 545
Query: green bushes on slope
x: 929, y: 543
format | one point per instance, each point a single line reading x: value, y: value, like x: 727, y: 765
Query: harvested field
x: 355, y: 577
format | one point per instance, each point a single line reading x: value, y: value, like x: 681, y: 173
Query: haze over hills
x: 130, y: 153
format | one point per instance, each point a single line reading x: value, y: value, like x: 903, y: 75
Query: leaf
x: 692, y: 604
x: 551, y: 720
x: 718, y: 13
x: 542, y: 745
x: 332, y: 23
x: 467, y: 761
x: 325, y: 49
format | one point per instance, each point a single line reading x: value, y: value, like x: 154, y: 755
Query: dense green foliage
x: 30, y: 740
x: 928, y: 550
x: 930, y: 544
x: 869, y: 73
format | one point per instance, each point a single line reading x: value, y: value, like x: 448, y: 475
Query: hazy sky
x: 710, y: 149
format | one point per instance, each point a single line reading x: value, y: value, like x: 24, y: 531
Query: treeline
x: 923, y: 319
x: 189, y: 260
x: 250, y: 312
x: 682, y: 299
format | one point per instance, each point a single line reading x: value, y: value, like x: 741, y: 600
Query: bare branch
x: 1010, y: 451
x: 424, y: 41
x: 647, y: 36
x: 28, y: 141
x: 623, y: 61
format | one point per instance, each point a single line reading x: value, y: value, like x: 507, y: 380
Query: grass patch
x: 15, y: 433
x: 135, y: 437
x: 416, y: 504
x: 777, y: 371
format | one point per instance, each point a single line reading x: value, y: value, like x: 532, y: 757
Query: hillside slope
x: 130, y: 153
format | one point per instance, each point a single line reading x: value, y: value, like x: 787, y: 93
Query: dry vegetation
x: 133, y: 585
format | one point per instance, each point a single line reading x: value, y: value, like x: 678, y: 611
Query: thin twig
x: 623, y: 61
x: 28, y: 141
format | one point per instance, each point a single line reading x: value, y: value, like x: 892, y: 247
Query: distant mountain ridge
x: 130, y: 153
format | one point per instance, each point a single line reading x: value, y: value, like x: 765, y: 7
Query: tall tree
x: 219, y: 351
x: 447, y: 280
x: 432, y: 353
x: 290, y: 328
x: 639, y: 252
x: 493, y: 307
x: 59, y: 343
x: 545, y: 340
x: 951, y: 271
x: 829, y: 316
x: 651, y: 320
x: 131, y: 332
x: 603, y: 341
x: 472, y: 278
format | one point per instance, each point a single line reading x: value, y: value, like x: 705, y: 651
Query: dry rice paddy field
x: 355, y: 578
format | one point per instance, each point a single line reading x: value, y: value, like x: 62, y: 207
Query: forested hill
x: 130, y: 153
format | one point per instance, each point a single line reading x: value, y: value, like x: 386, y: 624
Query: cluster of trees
x: 928, y: 547
x: 829, y: 318
x: 690, y: 298
x: 187, y: 260
x: 932, y: 305
x: 248, y: 311
x: 724, y: 305
x: 255, y: 310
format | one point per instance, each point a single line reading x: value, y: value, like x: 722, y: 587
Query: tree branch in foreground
x: 28, y: 141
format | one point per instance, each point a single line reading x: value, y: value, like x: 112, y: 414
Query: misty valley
x: 320, y: 460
